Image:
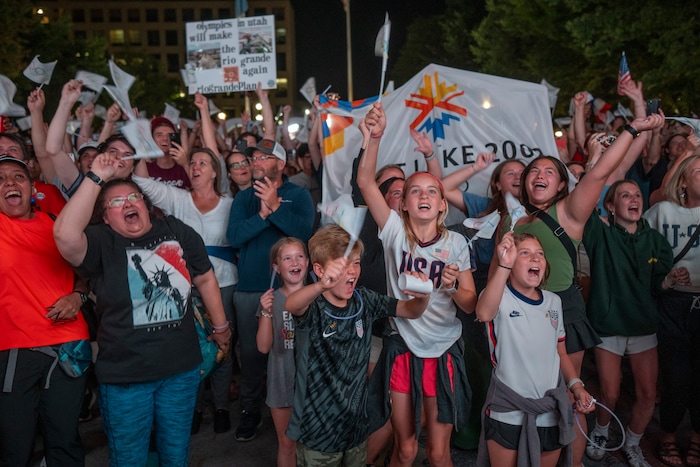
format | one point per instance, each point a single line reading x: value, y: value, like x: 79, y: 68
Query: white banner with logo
x: 464, y: 113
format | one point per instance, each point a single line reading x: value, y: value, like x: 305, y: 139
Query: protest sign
x: 230, y: 55
x: 462, y: 112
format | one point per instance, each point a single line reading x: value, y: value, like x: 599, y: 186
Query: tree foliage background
x: 574, y: 44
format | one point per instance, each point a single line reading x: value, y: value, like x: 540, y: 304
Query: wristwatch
x: 631, y: 131
x: 95, y: 178
x: 83, y: 296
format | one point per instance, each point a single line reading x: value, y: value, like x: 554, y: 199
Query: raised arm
x: 87, y: 116
x: 579, y: 120
x: 64, y: 167
x: 298, y: 302
x: 575, y: 209
x: 425, y: 147
x: 35, y: 103
x: 114, y: 114
x: 490, y: 298
x: 451, y: 183
x: 208, y: 128
x: 287, y: 142
x: 375, y: 124
x: 315, y: 139
x: 268, y: 116
x: 69, y: 228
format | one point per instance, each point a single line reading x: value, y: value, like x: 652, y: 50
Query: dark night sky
x: 320, y: 40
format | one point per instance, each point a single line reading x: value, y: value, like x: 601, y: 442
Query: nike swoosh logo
x: 514, y: 314
x: 328, y: 334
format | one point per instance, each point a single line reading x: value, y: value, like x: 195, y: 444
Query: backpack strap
x: 558, y: 232
x: 687, y: 246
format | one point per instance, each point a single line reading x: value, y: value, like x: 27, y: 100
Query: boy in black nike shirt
x: 333, y: 340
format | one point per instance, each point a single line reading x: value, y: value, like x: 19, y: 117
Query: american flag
x: 623, y: 74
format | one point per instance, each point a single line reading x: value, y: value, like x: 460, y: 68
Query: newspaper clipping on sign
x: 230, y: 55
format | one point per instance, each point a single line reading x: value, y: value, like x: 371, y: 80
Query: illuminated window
x: 281, y: 36
x: 116, y: 36
x: 134, y: 37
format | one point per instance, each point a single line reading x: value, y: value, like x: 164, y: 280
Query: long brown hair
x: 563, y: 177
x: 498, y: 197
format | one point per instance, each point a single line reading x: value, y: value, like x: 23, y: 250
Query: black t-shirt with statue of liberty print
x: 332, y: 355
x: 143, y: 288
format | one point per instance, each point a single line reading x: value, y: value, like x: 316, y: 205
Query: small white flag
x: 389, y: 87
x: 7, y: 95
x: 213, y: 109
x: 343, y: 212
x: 88, y: 97
x: 308, y: 90
x: 189, y: 121
x: 516, y: 210
x: 121, y: 78
x: 91, y: 80
x: 122, y: 100
x: 485, y: 226
x: 138, y: 133
x: 624, y: 112
x: 172, y: 114
x: 100, y: 112
x: 381, y: 44
x: 39, y: 72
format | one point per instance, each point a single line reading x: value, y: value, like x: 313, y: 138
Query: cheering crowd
x: 144, y: 283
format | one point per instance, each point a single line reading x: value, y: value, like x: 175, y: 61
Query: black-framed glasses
x: 238, y: 165
x: 261, y: 158
x: 119, y: 201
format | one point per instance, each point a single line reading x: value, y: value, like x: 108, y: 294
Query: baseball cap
x: 273, y: 148
x: 87, y: 145
x: 161, y: 121
x: 20, y: 162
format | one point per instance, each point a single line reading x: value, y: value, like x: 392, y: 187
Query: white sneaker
x: 634, y: 456
x: 595, y: 450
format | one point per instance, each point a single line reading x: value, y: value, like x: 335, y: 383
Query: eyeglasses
x: 262, y: 158
x: 238, y: 165
x: 119, y: 201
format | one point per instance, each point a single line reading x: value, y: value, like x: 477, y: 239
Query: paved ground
x: 221, y: 450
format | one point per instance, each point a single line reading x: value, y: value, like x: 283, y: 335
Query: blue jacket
x: 254, y: 236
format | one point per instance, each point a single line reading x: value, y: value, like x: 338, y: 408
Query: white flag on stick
x: 308, y: 90
x: 138, y: 133
x: 516, y: 210
x: 552, y: 91
x: 381, y: 49
x: 485, y: 226
x: 7, y: 95
x: 39, y: 72
x: 213, y: 109
x: 91, y: 80
x: 122, y: 100
x: 172, y: 114
x: 343, y: 212
x: 121, y: 78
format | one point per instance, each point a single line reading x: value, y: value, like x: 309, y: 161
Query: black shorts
x: 507, y: 435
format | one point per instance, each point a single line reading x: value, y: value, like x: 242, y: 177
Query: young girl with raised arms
x: 527, y: 417
x: 421, y: 364
x: 275, y: 336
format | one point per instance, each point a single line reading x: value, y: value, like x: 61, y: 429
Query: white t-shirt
x: 523, y: 338
x: 211, y: 226
x: 438, y: 328
x: 677, y: 224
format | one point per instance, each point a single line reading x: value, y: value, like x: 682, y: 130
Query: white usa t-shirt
x: 438, y: 328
